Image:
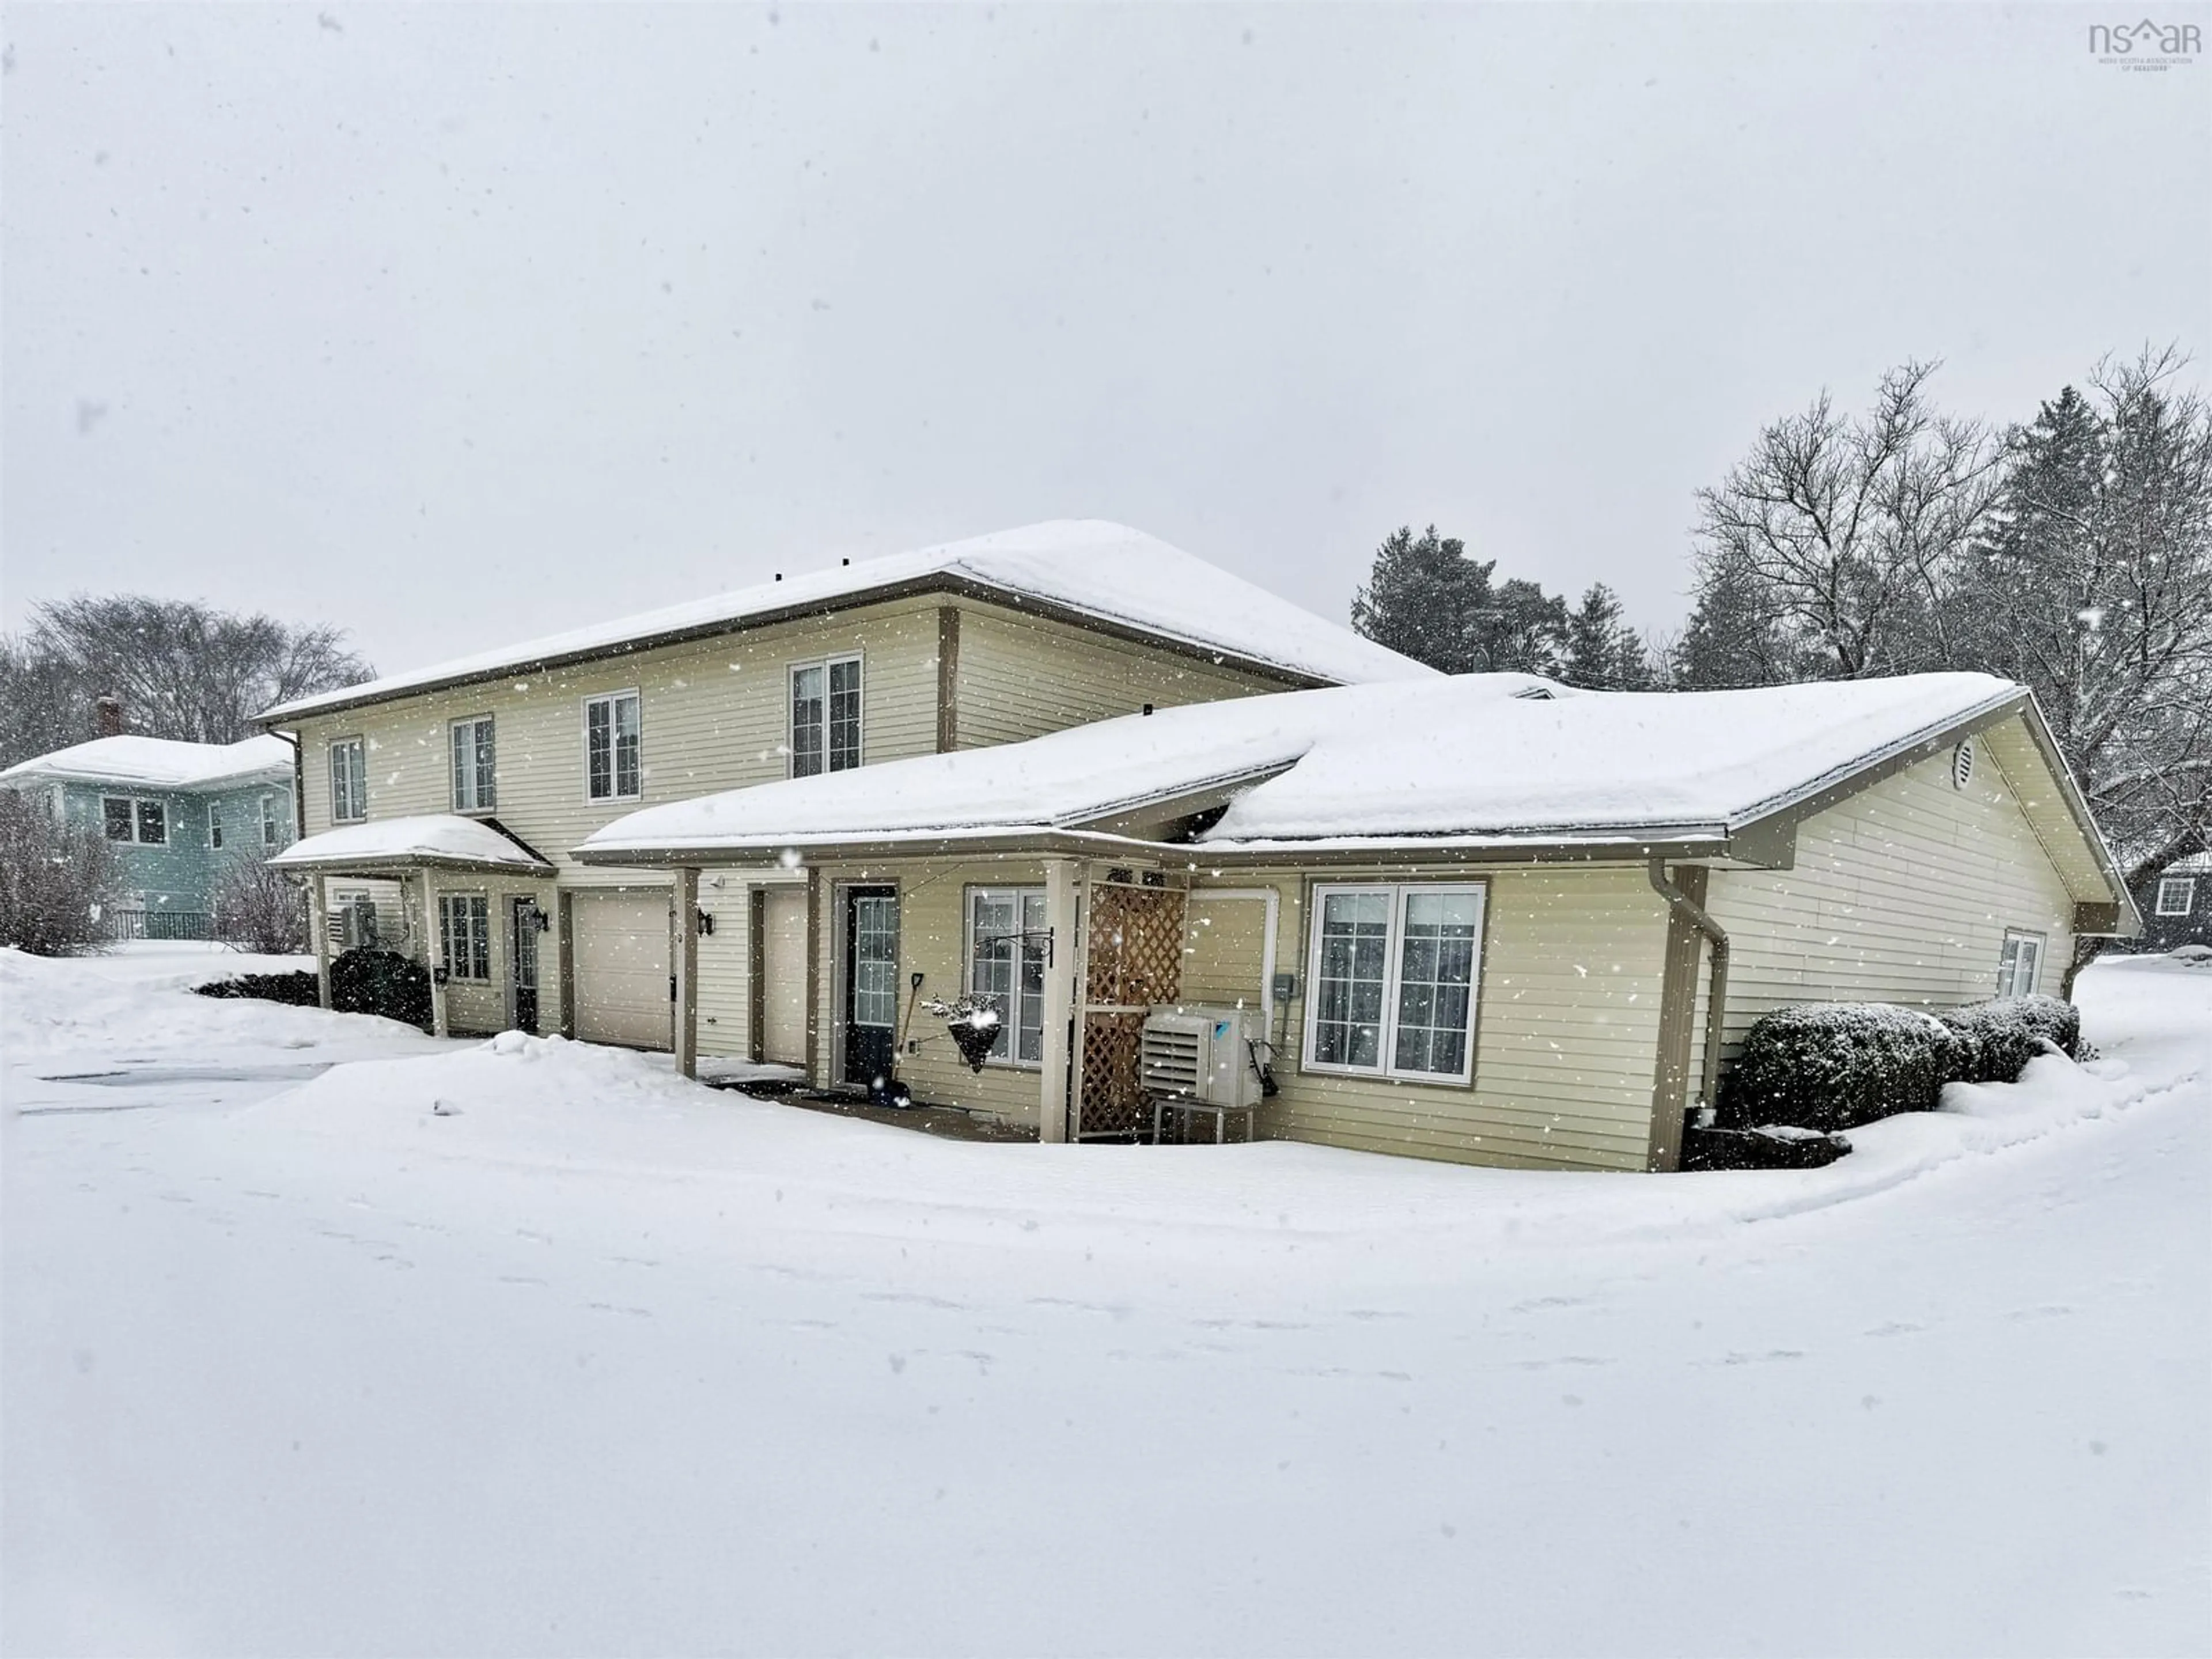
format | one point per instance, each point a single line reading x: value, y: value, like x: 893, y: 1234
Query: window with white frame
x: 464, y: 925
x: 349, y: 781
x: 1006, y: 949
x: 613, y: 747
x: 1392, y: 979
x: 474, y: 763
x: 2176, y: 895
x: 825, y: 716
x: 2019, y: 964
x: 129, y: 818
x: 215, y: 825
x: 272, y: 826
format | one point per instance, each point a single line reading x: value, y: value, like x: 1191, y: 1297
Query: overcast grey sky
x: 456, y: 324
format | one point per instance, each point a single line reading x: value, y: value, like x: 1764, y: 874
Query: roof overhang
x: 947, y: 583
x: 340, y: 851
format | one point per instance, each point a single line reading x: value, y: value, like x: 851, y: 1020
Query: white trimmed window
x: 127, y: 818
x: 475, y: 761
x: 215, y: 825
x: 2176, y: 895
x: 2019, y: 964
x: 825, y: 716
x: 464, y: 924
x: 1006, y: 949
x: 613, y: 747
x: 349, y: 781
x: 272, y: 827
x: 1391, y: 983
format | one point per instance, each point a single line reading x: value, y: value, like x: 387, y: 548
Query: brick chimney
x: 108, y: 717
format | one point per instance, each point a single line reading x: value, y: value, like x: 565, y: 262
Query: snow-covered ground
x: 529, y: 1347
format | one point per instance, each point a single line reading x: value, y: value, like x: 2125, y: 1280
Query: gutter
x: 1680, y: 904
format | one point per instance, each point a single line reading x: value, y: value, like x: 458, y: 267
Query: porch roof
x: 1507, y: 764
x: 439, y: 841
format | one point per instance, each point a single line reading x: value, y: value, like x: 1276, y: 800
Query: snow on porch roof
x: 1107, y: 572
x: 1477, y: 758
x: 441, y: 839
x: 157, y: 763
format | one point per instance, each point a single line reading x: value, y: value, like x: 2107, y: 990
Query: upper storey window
x: 825, y: 716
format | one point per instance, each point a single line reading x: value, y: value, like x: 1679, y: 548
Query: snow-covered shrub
x: 1829, y: 1065
x: 262, y: 908
x: 366, y: 981
x: 1772, y: 1147
x: 1997, y: 1038
x: 297, y: 988
x: 58, y: 881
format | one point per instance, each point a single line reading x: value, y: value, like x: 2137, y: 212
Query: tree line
x: 2072, y: 553
x: 177, y: 669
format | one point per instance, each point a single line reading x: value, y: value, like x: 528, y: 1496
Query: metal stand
x: 1165, y: 1104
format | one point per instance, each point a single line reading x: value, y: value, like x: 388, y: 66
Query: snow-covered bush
x: 262, y: 908
x: 1829, y: 1065
x: 366, y: 981
x: 58, y: 881
x: 1997, y: 1038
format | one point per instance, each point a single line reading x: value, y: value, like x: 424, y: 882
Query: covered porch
x: 463, y: 896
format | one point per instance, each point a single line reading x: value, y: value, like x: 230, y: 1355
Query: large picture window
x: 128, y: 817
x: 474, y: 763
x: 825, y: 716
x: 613, y: 747
x: 465, y: 921
x: 349, y: 781
x: 1391, y: 984
x: 1006, y: 949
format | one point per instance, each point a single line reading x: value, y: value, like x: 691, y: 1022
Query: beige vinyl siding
x: 1021, y: 677
x: 1225, y: 946
x: 1901, y: 893
x: 713, y: 714
x: 1566, y: 1030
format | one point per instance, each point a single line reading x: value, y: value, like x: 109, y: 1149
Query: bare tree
x: 259, y: 907
x: 182, y: 671
x: 1845, y: 533
x: 58, y: 883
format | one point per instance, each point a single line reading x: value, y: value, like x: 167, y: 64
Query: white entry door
x: 622, y: 965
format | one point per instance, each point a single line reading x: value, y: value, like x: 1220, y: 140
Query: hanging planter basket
x: 973, y: 1026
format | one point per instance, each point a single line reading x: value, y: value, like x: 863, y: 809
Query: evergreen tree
x: 1733, y: 639
x: 1603, y: 653
x: 1521, y: 630
x: 1422, y: 599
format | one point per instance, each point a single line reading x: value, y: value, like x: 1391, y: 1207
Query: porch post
x: 318, y: 923
x: 430, y: 955
x: 1059, y: 998
x: 687, y: 972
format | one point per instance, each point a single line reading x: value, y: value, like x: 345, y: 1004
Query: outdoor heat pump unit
x: 1204, y: 1054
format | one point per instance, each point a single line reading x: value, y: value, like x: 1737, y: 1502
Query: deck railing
x: 161, y: 924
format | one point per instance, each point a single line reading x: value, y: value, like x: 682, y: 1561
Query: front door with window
x: 522, y: 962
x: 871, y: 982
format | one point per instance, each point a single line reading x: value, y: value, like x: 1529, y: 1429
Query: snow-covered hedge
x: 298, y: 988
x: 1829, y: 1065
x: 364, y: 981
x: 1997, y: 1038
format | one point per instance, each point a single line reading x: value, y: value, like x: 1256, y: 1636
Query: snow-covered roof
x: 2197, y: 863
x: 444, y: 839
x: 157, y: 763
x: 1476, y: 758
x: 1088, y: 567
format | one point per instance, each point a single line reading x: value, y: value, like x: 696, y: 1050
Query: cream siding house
x: 1483, y: 917
x: 982, y: 643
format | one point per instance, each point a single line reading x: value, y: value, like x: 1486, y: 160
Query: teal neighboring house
x: 180, y: 814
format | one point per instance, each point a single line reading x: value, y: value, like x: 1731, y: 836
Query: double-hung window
x: 124, y: 818
x: 349, y: 781
x: 613, y: 748
x: 271, y: 828
x: 1391, y: 984
x: 1006, y: 948
x: 474, y: 759
x: 825, y: 716
x: 215, y: 825
x: 2176, y: 895
x: 2019, y: 964
x: 465, y: 925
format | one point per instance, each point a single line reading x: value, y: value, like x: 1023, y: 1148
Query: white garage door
x: 622, y: 967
